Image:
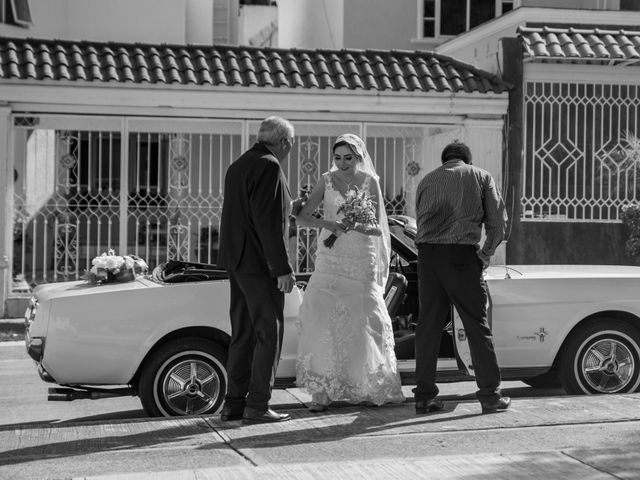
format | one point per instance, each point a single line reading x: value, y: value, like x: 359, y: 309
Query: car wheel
x: 602, y: 357
x: 184, y: 377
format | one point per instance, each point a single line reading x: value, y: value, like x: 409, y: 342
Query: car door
x: 462, y: 349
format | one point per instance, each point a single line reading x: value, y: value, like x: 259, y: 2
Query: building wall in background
x: 312, y: 23
x: 380, y: 24
x: 197, y: 30
x: 258, y: 25
x: 144, y: 21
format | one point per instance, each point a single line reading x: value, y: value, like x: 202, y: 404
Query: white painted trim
x: 264, y: 100
x: 523, y: 15
x: 580, y: 73
x: 473, y: 123
x: 194, y: 113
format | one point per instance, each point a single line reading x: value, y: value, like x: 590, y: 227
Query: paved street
x: 545, y: 435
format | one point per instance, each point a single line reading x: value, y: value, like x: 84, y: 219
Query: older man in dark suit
x: 253, y: 249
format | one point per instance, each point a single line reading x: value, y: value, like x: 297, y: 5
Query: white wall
x: 199, y: 22
x: 152, y: 21
x: 253, y: 20
x: 380, y: 24
x: 311, y: 23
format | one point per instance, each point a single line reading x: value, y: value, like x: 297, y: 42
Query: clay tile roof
x: 572, y: 45
x: 232, y: 66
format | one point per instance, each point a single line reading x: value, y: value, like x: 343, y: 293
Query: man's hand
x: 286, y: 282
x: 296, y: 206
x: 484, y: 259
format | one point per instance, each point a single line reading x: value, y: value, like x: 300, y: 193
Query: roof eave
x: 522, y: 15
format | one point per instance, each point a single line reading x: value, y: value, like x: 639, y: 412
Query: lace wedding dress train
x: 346, y: 345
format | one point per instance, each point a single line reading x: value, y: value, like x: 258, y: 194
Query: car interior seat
x: 395, y: 292
x: 394, y: 297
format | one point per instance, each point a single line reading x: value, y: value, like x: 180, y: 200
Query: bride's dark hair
x: 343, y: 143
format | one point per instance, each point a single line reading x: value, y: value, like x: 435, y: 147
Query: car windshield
x: 403, y: 233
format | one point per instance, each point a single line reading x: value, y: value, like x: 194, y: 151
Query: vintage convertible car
x: 164, y: 337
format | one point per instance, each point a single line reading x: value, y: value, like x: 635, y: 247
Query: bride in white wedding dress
x: 346, y: 345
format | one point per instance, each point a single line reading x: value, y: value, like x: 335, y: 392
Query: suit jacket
x: 255, y: 212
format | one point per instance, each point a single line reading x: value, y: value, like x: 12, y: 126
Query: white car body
x: 87, y: 343
x: 579, y: 325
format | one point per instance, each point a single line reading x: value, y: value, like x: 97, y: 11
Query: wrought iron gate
x: 154, y: 187
x: 582, y: 153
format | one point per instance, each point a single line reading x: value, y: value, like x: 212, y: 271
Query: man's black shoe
x: 500, y: 404
x: 251, y: 416
x: 428, y: 406
x: 229, y: 414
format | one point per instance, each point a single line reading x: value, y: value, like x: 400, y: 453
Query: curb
x: 11, y: 330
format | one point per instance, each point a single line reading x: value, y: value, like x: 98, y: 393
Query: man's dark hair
x: 456, y: 150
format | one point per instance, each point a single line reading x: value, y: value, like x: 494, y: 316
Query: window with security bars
x: 631, y: 5
x: 452, y: 17
x: 15, y: 12
x: 582, y: 151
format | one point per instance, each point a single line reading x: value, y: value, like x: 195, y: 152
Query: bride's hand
x: 337, y: 228
x: 347, y: 225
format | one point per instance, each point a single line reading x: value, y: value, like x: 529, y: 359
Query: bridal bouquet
x: 110, y: 267
x: 358, y: 207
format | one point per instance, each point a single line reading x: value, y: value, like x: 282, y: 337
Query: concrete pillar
x: 6, y: 191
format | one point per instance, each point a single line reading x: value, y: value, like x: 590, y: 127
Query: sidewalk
x: 265, y: 450
x: 566, y: 465
x: 392, y: 424
x: 557, y: 437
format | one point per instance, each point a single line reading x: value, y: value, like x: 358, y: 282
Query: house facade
x: 117, y: 125
x: 124, y: 144
x: 571, y: 154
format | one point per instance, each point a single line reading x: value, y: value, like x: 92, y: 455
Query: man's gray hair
x: 273, y: 129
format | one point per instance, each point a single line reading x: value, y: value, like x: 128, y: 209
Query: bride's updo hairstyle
x: 352, y: 147
x: 343, y: 143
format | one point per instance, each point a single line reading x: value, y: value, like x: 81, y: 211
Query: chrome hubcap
x: 608, y: 366
x: 191, y: 387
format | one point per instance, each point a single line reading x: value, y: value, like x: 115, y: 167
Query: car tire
x: 601, y: 357
x: 184, y: 377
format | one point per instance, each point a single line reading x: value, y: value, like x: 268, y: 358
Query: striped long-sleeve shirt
x: 454, y: 201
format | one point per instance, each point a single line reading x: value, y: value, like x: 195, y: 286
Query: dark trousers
x: 452, y: 274
x: 257, y: 323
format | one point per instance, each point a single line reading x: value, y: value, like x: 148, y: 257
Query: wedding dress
x: 346, y: 345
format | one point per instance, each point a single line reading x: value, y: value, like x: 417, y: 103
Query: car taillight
x: 30, y: 312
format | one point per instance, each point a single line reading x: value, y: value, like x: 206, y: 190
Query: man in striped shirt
x: 453, y: 202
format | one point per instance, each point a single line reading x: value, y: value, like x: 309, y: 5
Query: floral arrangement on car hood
x: 110, y: 267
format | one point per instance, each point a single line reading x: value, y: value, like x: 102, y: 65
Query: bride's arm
x: 305, y: 217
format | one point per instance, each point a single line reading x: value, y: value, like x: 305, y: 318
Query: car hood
x: 562, y: 271
x: 47, y: 291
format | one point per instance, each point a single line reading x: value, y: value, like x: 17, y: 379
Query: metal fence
x: 581, y: 152
x: 154, y: 187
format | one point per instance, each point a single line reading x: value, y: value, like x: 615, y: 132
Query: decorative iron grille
x: 581, y: 155
x: 154, y: 187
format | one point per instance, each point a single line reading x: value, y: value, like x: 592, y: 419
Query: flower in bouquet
x: 110, y: 267
x: 358, y: 207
